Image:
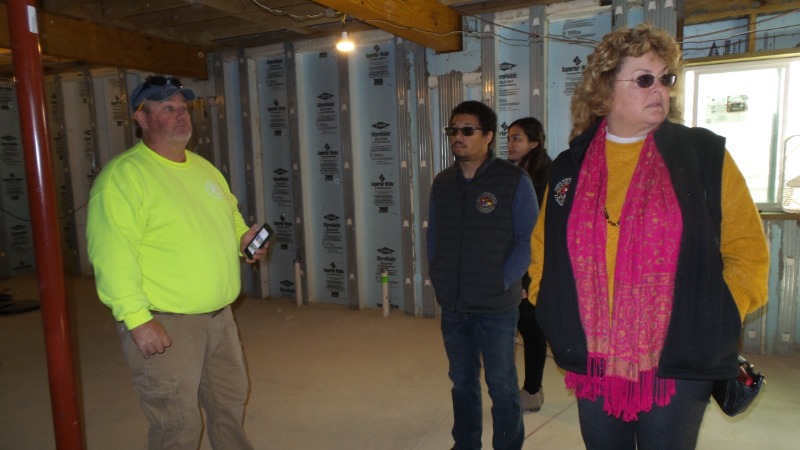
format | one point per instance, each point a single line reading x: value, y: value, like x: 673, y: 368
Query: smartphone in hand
x: 260, y: 240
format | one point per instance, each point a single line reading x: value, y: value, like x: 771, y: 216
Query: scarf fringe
x: 623, y: 398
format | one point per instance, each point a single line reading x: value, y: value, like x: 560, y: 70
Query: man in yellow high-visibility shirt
x: 165, y: 239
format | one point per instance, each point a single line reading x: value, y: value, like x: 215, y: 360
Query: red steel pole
x: 29, y: 81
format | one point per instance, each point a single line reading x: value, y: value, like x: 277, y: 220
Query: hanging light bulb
x: 345, y: 44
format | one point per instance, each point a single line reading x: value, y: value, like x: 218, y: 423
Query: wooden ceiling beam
x: 62, y: 37
x: 426, y: 22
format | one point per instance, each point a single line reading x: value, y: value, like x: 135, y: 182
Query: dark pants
x: 671, y: 427
x: 535, y: 346
x: 467, y: 338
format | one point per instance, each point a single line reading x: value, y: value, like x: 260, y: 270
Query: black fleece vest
x: 474, y: 235
x: 704, y: 328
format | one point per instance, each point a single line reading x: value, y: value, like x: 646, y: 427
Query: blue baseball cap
x: 158, y: 88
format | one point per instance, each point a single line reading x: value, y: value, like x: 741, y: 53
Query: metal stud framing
x: 406, y: 275
x: 426, y: 169
x: 354, y: 300
x: 451, y: 93
x: 297, y: 173
x: 488, y: 61
x: 537, y: 61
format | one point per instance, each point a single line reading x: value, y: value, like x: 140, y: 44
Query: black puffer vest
x: 705, y: 324
x: 474, y: 236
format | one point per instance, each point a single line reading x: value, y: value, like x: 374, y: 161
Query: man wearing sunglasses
x: 482, y: 212
x: 165, y: 238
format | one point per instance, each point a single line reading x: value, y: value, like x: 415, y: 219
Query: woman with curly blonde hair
x: 648, y: 253
x: 591, y: 99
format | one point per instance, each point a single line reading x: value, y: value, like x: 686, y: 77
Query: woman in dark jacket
x: 648, y: 254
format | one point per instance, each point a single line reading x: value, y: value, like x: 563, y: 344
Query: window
x: 756, y: 106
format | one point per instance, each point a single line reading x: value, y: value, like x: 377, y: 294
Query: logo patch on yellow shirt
x: 213, y: 190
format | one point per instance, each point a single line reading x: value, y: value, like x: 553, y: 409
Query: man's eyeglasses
x: 466, y: 131
x: 647, y: 80
x: 158, y: 80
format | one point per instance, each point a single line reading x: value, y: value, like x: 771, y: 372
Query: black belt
x: 211, y: 314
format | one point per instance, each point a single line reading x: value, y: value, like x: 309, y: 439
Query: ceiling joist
x: 426, y: 22
x: 62, y: 37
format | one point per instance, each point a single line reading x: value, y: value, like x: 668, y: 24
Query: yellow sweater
x: 743, y: 246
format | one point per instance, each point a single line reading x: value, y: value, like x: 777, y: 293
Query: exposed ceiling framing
x: 175, y: 36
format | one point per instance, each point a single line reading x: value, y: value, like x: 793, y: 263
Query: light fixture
x: 345, y: 44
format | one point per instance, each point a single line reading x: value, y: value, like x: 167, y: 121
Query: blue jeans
x: 467, y: 338
x: 671, y: 427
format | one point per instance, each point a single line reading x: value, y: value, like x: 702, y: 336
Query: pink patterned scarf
x: 625, y: 344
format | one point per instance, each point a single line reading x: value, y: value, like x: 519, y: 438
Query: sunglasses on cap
x: 158, y: 80
x: 466, y: 131
x: 647, y: 80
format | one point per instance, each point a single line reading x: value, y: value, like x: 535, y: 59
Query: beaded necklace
x: 608, y: 219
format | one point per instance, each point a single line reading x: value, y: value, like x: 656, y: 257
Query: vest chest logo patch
x: 486, y: 202
x: 560, y: 192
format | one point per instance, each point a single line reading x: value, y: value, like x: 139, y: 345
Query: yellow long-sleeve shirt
x: 163, y: 236
x: 742, y: 243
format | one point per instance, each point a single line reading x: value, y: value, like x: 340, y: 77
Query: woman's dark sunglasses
x: 647, y: 80
x: 466, y: 131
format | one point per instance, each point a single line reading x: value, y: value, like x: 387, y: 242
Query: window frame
x: 788, y: 67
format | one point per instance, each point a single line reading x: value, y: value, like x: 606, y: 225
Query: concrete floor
x: 322, y: 377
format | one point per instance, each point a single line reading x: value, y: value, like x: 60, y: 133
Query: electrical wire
x: 528, y: 36
x: 331, y: 14
x: 70, y: 213
x: 584, y: 41
x: 742, y: 33
x: 481, y: 34
x: 278, y: 12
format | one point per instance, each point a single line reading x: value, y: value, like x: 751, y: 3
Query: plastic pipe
x: 385, y: 288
